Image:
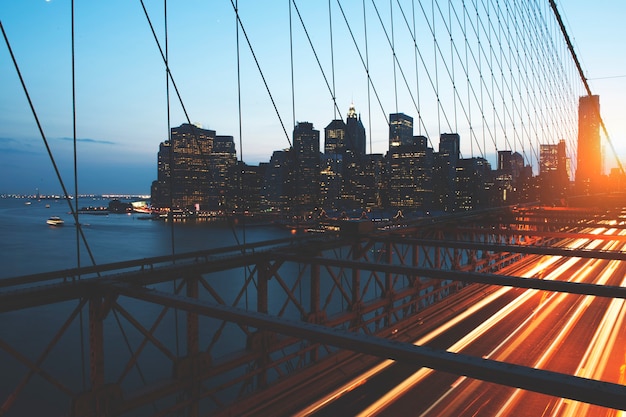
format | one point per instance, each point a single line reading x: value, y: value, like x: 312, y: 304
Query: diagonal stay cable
x: 406, y: 83
x: 45, y: 141
x: 319, y: 64
x: 171, y: 78
x: 583, y: 78
x: 363, y: 62
x: 258, y: 65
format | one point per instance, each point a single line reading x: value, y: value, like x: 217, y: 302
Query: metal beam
x: 546, y: 382
x: 539, y: 233
x: 527, y: 249
x: 609, y: 291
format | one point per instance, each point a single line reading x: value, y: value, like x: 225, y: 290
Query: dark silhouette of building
x: 246, y: 187
x: 306, y: 167
x: 355, y: 133
x: 553, y: 177
x: 445, y: 171
x: 410, y: 174
x: 400, y: 130
x: 472, y: 184
x: 335, y: 138
x: 276, y: 185
x: 331, y: 180
x: 589, y: 161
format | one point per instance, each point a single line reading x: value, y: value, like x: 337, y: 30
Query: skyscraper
x: 192, y: 169
x: 445, y: 170
x: 400, y: 130
x: 589, y: 161
x: 335, y: 138
x: 355, y: 133
x: 306, y: 166
x: 410, y: 168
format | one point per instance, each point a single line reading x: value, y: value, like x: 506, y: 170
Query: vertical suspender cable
x: 432, y: 5
x: 454, y: 92
x: 82, y: 333
x: 45, y: 141
x: 332, y: 56
x: 367, y: 70
x: 240, y: 135
x: 169, y: 133
x: 74, y: 139
x: 393, y: 55
x: 417, y: 77
x: 241, y: 164
x: 171, y: 162
x: 293, y: 90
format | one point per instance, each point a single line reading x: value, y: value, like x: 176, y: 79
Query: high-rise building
x: 548, y: 158
x: 472, y: 184
x: 331, y: 180
x: 400, y: 130
x: 410, y: 168
x: 450, y: 145
x: 589, y: 161
x: 335, y: 138
x: 445, y: 171
x: 193, y: 169
x: 306, y: 166
x: 276, y: 184
x: 355, y: 133
x: 553, y: 176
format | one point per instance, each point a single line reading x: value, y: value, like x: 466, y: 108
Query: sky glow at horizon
x: 121, y: 97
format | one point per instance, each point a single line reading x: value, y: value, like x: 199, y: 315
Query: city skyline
x: 118, y: 134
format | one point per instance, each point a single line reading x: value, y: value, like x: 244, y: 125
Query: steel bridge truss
x: 227, y: 330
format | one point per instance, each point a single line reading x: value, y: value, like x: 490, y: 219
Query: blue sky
x: 120, y: 82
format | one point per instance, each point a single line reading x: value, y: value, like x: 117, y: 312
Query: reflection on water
x: 29, y: 245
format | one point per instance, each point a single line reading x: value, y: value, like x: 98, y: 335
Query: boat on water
x: 55, y: 221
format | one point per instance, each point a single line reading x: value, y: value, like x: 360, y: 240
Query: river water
x: 28, y: 245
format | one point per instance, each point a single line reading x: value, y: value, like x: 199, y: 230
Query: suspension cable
x: 45, y: 141
x: 584, y: 79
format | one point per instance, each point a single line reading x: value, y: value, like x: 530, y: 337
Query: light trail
x: 546, y: 308
x: 536, y: 269
x: 596, y: 354
x: 415, y: 378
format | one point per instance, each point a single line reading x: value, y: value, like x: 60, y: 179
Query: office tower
x: 193, y: 169
x: 472, y: 184
x: 276, y: 184
x: 548, y: 158
x: 221, y: 160
x: 306, y: 166
x: 410, y: 168
x: 160, y: 189
x: 503, y: 180
x: 334, y: 138
x: 517, y: 166
x: 589, y: 160
x: 246, y: 182
x: 331, y: 180
x: 450, y: 145
x: 553, y: 177
x: 370, y: 189
x: 445, y: 171
x: 355, y: 133
x: 504, y: 161
x: 400, y: 130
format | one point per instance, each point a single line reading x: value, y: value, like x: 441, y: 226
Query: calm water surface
x: 29, y: 245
